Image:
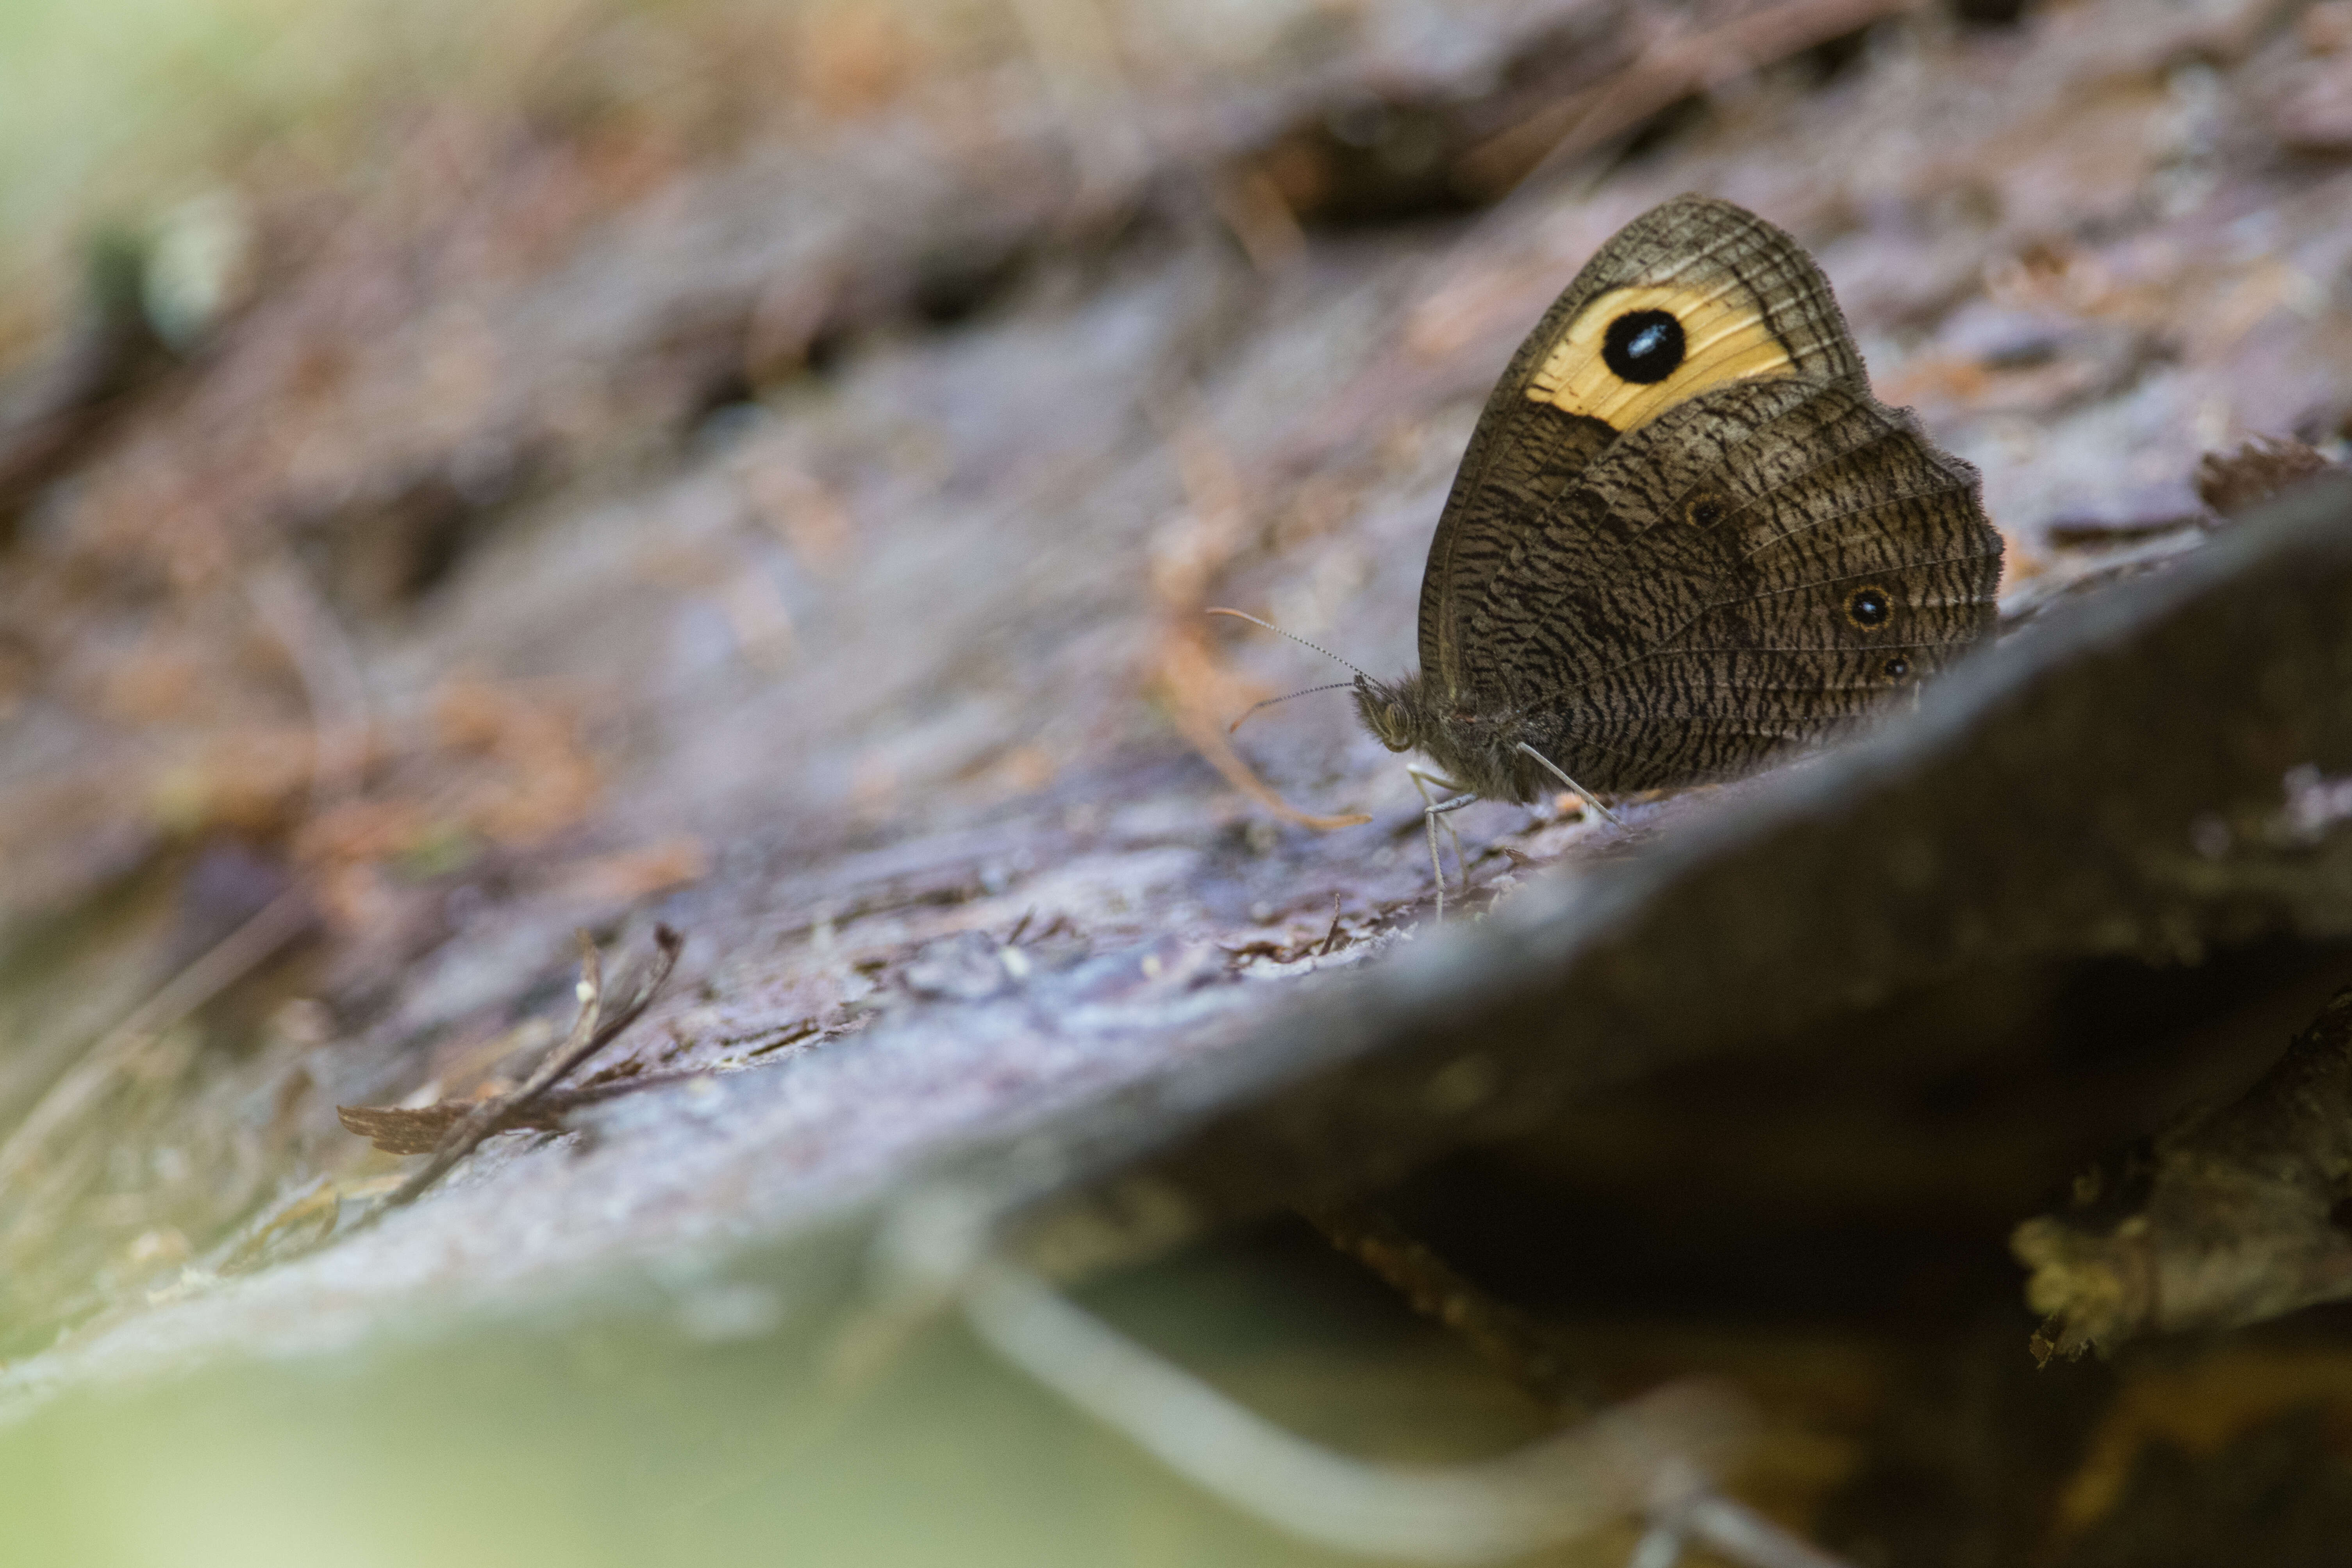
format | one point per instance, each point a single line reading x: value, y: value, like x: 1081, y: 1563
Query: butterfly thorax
x: 1479, y: 751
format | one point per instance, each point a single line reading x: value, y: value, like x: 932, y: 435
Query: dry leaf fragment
x: 475, y: 1121
x: 419, y: 1129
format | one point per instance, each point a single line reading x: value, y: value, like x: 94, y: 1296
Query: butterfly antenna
x: 1294, y: 637
x: 1335, y: 685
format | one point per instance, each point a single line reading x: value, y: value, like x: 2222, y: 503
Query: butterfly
x: 1686, y: 539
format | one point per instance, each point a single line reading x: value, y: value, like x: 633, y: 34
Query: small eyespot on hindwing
x: 1869, y: 608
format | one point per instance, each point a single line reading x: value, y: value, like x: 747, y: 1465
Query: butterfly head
x: 1392, y: 713
x: 1477, y: 751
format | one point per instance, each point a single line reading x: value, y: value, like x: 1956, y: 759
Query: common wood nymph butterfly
x: 1686, y: 539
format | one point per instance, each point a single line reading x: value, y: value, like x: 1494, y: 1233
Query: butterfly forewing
x: 1738, y: 299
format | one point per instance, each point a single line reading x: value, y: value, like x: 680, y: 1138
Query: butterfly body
x: 1685, y: 538
x: 1476, y: 751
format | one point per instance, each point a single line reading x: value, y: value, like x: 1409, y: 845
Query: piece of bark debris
x: 2106, y: 534
x: 2226, y: 1217
x: 2264, y: 468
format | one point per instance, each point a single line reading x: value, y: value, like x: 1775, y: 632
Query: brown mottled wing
x: 1750, y: 570
x: 1758, y: 308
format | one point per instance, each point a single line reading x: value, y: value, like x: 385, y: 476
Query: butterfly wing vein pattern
x: 1685, y: 538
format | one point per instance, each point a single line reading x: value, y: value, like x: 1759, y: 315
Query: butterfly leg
x: 1431, y: 811
x: 1583, y: 793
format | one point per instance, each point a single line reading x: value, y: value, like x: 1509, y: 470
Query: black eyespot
x: 1896, y: 668
x: 1704, y: 512
x: 1868, y: 608
x: 1644, y: 345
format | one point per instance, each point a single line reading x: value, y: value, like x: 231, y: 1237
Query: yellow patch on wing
x: 1724, y: 339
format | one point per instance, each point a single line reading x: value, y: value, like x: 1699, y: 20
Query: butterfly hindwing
x: 1751, y: 569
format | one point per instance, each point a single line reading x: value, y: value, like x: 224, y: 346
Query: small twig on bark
x: 1504, y: 1337
x: 1332, y: 937
x: 591, y: 1032
x: 2226, y: 1218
